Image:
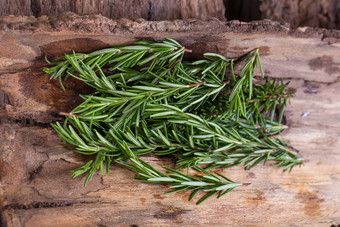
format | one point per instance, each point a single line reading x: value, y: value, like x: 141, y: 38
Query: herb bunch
x: 149, y: 100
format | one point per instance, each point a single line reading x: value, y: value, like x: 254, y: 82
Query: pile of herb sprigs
x: 151, y: 101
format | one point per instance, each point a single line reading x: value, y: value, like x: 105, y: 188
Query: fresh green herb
x: 148, y: 100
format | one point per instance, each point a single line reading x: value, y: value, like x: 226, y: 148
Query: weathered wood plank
x: 36, y: 186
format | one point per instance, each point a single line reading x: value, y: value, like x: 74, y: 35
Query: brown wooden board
x: 36, y: 185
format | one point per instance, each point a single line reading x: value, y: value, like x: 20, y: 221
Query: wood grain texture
x: 131, y: 9
x: 36, y: 186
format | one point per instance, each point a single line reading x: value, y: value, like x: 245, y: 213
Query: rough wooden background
x: 147, y: 9
x: 36, y: 188
x: 313, y: 13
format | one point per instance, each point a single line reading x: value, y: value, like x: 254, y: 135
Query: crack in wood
x: 44, y: 204
x: 32, y: 174
x: 151, y: 10
x: 25, y: 122
x: 3, y: 220
x: 36, y: 205
x: 3, y: 98
x: 35, y: 8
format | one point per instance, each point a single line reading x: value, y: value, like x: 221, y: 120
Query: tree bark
x: 313, y: 13
x: 146, y: 9
x: 36, y: 185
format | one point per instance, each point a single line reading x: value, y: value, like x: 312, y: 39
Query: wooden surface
x: 36, y: 185
x: 147, y: 9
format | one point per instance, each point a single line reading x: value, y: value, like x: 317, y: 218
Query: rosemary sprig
x: 148, y: 100
x: 210, y: 183
x: 161, y: 54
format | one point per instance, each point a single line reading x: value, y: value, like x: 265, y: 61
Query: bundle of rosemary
x: 149, y: 100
